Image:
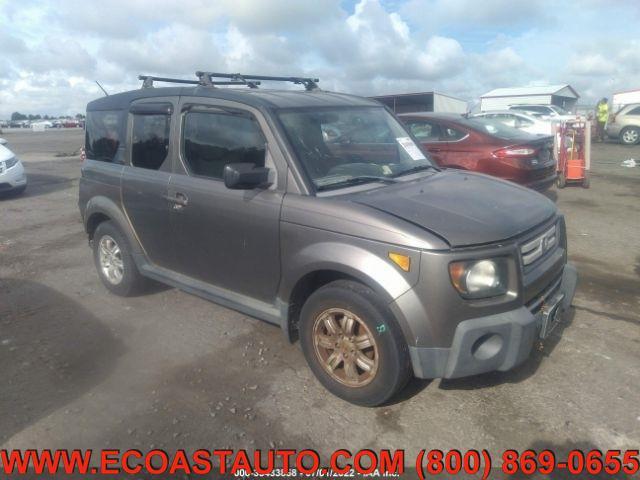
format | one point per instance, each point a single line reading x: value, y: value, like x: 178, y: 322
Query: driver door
x: 226, y: 238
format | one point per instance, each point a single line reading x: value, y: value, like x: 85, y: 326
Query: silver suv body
x: 625, y: 124
x: 318, y: 212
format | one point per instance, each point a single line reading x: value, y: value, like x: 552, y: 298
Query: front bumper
x: 12, y: 178
x: 494, y: 342
x: 613, y: 130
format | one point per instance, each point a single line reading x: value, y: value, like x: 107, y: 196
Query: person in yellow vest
x: 602, y: 115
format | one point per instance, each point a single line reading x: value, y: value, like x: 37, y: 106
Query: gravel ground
x: 83, y: 368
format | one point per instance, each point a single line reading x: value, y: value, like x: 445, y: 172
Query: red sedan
x: 485, y: 146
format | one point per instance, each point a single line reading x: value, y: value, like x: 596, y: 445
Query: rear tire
x: 115, y: 265
x: 630, y: 135
x: 561, y: 181
x: 363, y: 358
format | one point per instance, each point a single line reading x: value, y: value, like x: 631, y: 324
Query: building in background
x: 620, y: 99
x: 502, y: 98
x: 423, y: 102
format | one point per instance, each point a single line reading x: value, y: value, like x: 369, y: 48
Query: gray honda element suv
x: 320, y: 213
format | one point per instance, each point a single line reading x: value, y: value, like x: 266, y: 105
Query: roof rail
x: 147, y: 81
x: 310, y: 84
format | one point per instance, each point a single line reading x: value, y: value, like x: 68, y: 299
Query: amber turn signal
x: 403, y: 261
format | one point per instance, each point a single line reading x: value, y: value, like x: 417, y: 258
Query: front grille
x: 534, y: 305
x: 539, y: 246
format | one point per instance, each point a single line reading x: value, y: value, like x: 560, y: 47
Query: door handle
x: 179, y: 200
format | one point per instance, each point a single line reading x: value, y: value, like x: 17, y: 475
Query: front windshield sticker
x: 411, y: 148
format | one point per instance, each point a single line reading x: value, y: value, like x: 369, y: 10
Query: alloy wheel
x: 630, y: 136
x: 110, y: 258
x: 345, y: 347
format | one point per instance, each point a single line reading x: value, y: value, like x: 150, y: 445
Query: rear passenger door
x: 145, y: 177
x: 429, y: 134
x: 229, y: 239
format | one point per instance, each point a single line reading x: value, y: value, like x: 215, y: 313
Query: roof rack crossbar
x: 147, y: 81
x: 308, y: 83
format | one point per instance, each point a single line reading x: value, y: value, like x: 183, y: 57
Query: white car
x: 547, y: 112
x: 12, y: 176
x: 521, y: 121
x: 44, y: 123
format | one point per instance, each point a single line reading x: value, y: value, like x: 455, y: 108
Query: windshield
x: 495, y: 127
x: 345, y: 145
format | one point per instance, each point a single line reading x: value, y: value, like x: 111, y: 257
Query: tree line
x: 17, y: 116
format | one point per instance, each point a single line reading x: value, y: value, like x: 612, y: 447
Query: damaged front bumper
x: 497, y: 342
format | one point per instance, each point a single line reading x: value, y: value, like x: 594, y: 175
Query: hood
x: 5, y: 153
x: 463, y: 208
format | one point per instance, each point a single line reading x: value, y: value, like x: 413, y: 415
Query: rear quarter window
x: 104, y: 133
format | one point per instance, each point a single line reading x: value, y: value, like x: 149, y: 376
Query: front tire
x: 561, y: 181
x: 115, y: 265
x: 630, y: 135
x: 353, y: 345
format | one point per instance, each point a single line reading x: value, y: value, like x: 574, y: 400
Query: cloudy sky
x: 52, y: 51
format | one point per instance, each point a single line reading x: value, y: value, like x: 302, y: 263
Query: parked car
x: 548, y: 112
x: 12, y: 176
x: 520, y: 120
x: 354, y: 242
x: 486, y: 146
x: 44, y: 123
x: 69, y: 123
x: 625, y: 124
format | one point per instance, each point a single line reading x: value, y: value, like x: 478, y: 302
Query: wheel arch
x: 100, y: 209
x: 357, y: 264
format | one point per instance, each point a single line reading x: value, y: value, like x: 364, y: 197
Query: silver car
x: 320, y: 213
x: 625, y: 124
x: 12, y: 176
x: 520, y: 120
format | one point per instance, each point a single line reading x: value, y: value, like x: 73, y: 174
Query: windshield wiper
x: 415, y: 169
x: 359, y: 179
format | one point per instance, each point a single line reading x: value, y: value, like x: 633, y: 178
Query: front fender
x: 371, y: 266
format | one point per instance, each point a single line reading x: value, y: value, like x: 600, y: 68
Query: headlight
x: 10, y: 163
x: 479, y: 278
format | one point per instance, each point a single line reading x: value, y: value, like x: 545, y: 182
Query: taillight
x: 514, y: 152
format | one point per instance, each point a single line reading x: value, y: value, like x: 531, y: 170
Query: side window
x: 523, y: 122
x: 506, y: 119
x: 212, y: 140
x: 453, y: 134
x: 634, y: 111
x: 150, y: 141
x: 103, y: 135
x: 424, y: 131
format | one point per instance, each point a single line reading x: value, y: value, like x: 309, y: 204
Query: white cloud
x: 593, y: 64
x: 53, y: 51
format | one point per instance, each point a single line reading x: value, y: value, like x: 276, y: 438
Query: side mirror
x: 245, y: 176
x: 3, y: 141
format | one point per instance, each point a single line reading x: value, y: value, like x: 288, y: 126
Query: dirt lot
x: 83, y: 368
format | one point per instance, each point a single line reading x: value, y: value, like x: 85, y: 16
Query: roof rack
x: 251, y: 81
x: 147, y: 81
x: 309, y: 83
